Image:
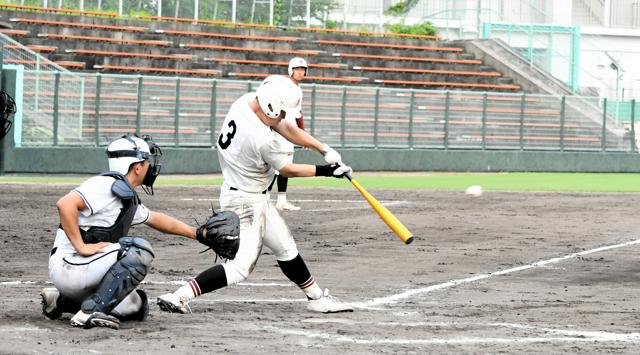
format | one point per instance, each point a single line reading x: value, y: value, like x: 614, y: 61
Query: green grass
x: 587, y: 182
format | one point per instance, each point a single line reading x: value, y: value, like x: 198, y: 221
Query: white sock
x: 282, y: 197
x: 313, y: 291
x: 189, y: 291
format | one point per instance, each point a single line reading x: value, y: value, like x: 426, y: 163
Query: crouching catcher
x: 95, y: 265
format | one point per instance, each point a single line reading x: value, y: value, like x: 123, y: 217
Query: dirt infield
x: 503, y: 272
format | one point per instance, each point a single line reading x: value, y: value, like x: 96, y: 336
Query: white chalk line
x: 566, y: 336
x: 414, y: 292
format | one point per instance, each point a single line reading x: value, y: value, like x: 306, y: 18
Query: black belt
x: 235, y: 189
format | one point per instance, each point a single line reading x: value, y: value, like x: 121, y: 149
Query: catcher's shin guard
x: 134, y: 258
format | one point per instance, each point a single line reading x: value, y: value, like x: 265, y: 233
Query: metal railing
x: 187, y: 112
x: 38, y: 102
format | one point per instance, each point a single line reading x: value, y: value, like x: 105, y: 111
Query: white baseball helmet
x: 297, y: 62
x: 277, y: 93
x: 125, y: 151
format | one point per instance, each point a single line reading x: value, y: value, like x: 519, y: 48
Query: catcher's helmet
x: 297, y: 62
x: 7, y: 108
x: 130, y: 149
x: 277, y: 93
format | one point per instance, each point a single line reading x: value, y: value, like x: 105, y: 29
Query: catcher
x: 94, y: 264
x: 249, y: 155
x: 7, y: 108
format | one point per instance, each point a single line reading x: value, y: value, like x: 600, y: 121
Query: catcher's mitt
x: 223, y: 233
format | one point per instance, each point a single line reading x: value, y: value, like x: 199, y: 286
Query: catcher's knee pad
x: 134, y: 258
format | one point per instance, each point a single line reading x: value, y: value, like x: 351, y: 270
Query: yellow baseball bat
x: 392, y: 221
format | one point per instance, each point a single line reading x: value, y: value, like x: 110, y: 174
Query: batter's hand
x: 335, y: 170
x: 343, y: 171
x: 330, y: 155
x: 91, y: 249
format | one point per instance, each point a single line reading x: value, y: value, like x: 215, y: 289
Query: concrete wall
x: 199, y: 161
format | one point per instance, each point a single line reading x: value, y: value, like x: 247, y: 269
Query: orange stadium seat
x: 78, y: 24
x: 450, y: 84
x: 130, y: 54
x: 33, y: 47
x: 207, y: 72
x: 206, y: 22
x: 365, y: 33
x: 309, y: 77
x: 269, y: 62
x: 10, y: 32
x: 412, y: 59
x: 58, y: 10
x: 428, y: 71
x: 249, y: 49
x: 105, y: 39
x: 229, y: 35
x: 389, y: 45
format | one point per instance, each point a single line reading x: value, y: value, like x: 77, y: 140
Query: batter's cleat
x: 286, y: 206
x: 328, y: 304
x: 95, y: 319
x: 50, y: 297
x: 174, y: 304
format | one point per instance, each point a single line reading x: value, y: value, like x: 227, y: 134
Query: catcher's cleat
x: 174, y: 304
x: 286, y: 206
x: 95, y: 319
x: 328, y: 304
x: 49, y: 302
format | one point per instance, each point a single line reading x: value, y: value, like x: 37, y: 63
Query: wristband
x: 325, y: 170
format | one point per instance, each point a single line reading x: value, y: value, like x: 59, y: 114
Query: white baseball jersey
x: 249, y: 154
x: 248, y: 150
x: 75, y: 275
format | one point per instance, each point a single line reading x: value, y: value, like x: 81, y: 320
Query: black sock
x: 212, y: 279
x: 282, y: 183
x: 296, y: 271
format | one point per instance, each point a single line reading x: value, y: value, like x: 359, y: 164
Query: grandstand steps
x: 171, y: 38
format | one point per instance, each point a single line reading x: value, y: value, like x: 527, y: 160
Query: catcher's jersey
x: 103, y: 207
x: 248, y: 150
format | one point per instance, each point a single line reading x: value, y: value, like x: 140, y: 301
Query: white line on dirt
x: 571, y: 337
x: 452, y: 283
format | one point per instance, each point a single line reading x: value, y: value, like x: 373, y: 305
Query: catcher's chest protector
x: 120, y: 228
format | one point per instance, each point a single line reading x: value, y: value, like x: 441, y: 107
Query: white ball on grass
x: 475, y: 190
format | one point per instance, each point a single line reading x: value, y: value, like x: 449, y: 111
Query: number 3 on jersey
x: 224, y: 144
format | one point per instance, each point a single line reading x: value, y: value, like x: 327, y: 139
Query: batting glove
x: 335, y: 170
x: 330, y: 155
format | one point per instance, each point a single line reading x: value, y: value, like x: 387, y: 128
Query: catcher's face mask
x: 131, y: 149
x: 154, y: 165
x: 7, y: 108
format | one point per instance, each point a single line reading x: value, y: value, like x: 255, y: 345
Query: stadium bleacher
x: 173, y: 46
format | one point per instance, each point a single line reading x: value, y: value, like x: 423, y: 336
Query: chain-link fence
x: 187, y: 112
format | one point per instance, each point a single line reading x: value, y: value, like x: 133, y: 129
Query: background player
x: 249, y: 154
x: 94, y: 265
x: 297, y: 71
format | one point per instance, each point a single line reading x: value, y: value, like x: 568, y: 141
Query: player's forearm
x: 167, y: 224
x: 298, y: 170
